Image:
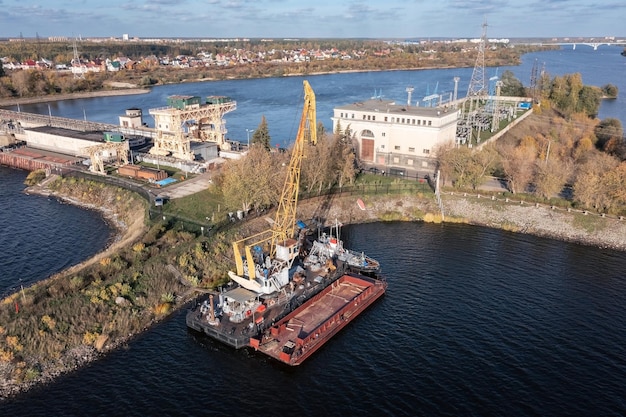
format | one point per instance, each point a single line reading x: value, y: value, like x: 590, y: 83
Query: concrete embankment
x: 515, y: 215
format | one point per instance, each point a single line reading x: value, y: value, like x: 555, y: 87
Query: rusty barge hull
x: 303, y: 331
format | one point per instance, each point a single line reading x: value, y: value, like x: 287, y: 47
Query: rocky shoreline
x: 576, y: 226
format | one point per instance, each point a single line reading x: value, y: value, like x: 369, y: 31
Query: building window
x: 353, y: 115
x: 342, y: 115
x: 363, y: 117
x: 409, y: 162
x: 426, y: 151
x: 424, y: 122
x: 430, y: 123
x: 397, y: 148
x: 382, y: 146
x: 374, y: 117
x: 386, y: 118
x: 367, y: 134
x: 396, y: 160
x: 419, y: 122
x: 411, y: 149
x: 403, y: 120
x: 383, y: 134
x: 413, y: 121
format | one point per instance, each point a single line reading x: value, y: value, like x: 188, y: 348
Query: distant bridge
x: 594, y: 45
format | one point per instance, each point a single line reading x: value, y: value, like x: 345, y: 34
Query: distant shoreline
x: 72, y: 96
x: 136, y: 90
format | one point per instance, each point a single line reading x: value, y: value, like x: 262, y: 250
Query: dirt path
x: 126, y: 233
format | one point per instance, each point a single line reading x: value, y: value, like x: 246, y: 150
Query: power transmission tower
x: 477, y: 86
x: 77, y: 66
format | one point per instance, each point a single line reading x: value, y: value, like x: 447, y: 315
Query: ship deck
x: 299, y: 334
x: 237, y: 335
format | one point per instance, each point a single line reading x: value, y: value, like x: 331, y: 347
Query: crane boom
x: 279, y: 236
x: 285, y: 220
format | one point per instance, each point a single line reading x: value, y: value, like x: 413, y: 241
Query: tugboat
x: 331, y: 247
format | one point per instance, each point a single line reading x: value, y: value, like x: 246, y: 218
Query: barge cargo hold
x: 303, y: 331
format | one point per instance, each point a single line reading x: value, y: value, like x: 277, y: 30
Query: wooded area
x: 561, y: 151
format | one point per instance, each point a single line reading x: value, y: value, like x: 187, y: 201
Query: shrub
x: 35, y: 177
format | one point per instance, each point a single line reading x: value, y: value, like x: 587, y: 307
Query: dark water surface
x: 40, y: 236
x: 476, y: 322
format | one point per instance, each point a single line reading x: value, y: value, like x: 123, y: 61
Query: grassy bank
x: 69, y: 319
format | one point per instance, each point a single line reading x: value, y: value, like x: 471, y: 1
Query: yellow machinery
x: 280, y: 237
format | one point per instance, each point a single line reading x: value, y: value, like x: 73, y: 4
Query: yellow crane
x: 283, y: 247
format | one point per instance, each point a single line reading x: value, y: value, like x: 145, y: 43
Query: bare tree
x: 517, y: 164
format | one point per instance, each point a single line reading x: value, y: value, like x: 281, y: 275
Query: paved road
x: 187, y: 187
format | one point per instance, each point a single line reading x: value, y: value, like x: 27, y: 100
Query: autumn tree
x: 20, y: 82
x: 550, y: 177
x: 255, y: 181
x: 317, y: 165
x: 518, y: 163
x: 589, y: 184
x: 606, y: 130
x: 570, y: 96
x: 329, y: 163
x: 610, y: 90
x: 344, y: 160
x: 454, y: 164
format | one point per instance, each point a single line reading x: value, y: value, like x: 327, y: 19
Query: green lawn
x: 205, y: 207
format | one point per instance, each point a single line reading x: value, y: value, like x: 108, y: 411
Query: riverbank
x: 127, y: 219
x: 486, y: 209
x: 128, y: 225
x: 72, y: 96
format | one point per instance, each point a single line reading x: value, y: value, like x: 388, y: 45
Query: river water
x: 41, y: 236
x: 475, y: 322
x: 280, y: 99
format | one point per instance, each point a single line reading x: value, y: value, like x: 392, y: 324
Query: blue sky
x: 312, y: 18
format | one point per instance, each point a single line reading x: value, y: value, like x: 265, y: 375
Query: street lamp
x: 248, y: 131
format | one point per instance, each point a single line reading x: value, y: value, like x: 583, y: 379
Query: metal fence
x: 176, y: 221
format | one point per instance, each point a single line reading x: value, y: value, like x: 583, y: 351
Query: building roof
x: 93, y: 136
x: 240, y: 295
x: 390, y: 106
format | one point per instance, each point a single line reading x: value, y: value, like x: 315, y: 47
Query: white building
x: 397, y: 137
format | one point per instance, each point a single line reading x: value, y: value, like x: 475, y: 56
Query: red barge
x: 303, y: 331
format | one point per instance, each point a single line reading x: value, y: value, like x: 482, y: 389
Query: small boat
x: 327, y: 247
